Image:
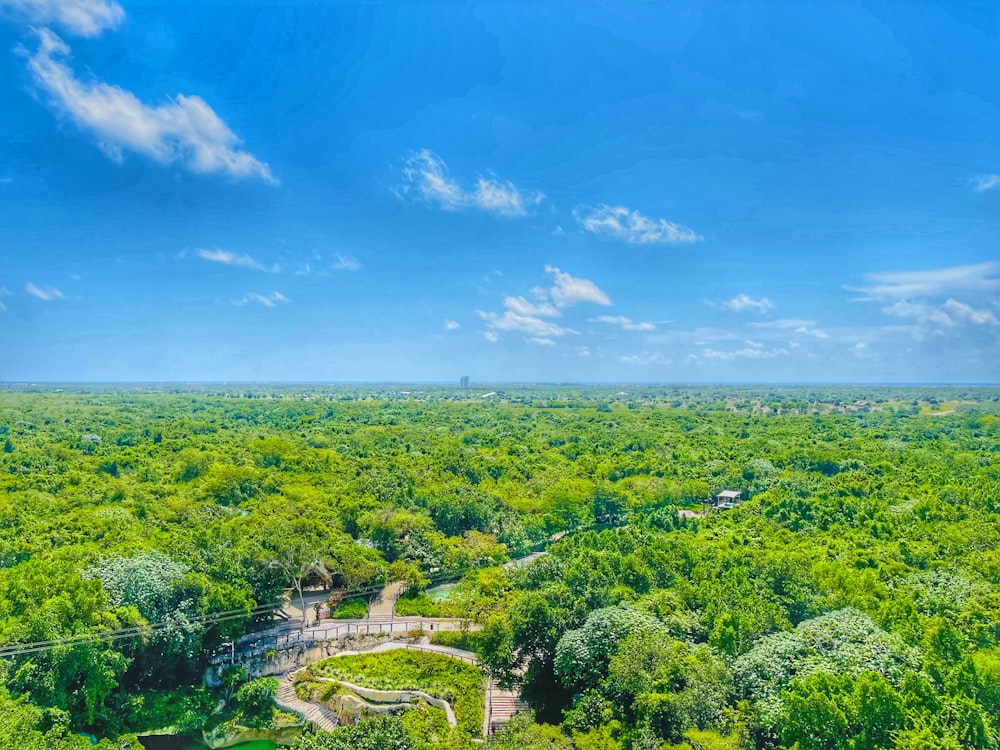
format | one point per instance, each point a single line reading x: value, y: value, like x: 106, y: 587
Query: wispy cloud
x: 345, y: 263
x: 540, y: 341
x: 930, y: 300
x: 521, y: 306
x: 80, y: 17
x: 229, y: 258
x: 816, y: 332
x: 744, y: 302
x: 643, y: 360
x: 785, y: 324
x: 452, y: 325
x: 184, y: 131
x: 491, y: 336
x: 948, y: 315
x: 986, y: 181
x: 622, y: 223
x: 267, y: 300
x: 46, y: 293
x: 626, y: 324
x: 750, y: 352
x: 961, y: 311
x: 792, y: 325
x: 426, y: 179
x: 979, y: 277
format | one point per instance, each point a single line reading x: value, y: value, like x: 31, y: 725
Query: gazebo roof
x: 730, y: 493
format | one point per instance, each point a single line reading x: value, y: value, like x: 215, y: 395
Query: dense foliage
x: 852, y: 602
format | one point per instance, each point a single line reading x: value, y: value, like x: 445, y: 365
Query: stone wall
x: 295, y: 655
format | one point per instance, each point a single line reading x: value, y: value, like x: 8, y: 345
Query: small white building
x: 727, y: 499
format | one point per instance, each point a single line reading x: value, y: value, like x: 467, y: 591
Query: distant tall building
x: 464, y: 381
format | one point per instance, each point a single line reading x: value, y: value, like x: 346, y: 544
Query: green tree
x: 379, y: 732
x: 254, y: 701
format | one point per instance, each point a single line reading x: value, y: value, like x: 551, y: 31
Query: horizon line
x: 508, y: 383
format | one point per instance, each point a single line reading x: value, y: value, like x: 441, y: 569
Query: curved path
x: 499, y: 706
x: 371, y: 694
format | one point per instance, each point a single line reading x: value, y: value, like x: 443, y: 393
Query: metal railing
x: 320, y: 633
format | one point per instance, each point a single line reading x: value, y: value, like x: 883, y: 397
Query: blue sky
x: 781, y: 192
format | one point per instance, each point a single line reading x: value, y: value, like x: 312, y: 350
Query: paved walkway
x: 385, y: 604
x: 500, y: 705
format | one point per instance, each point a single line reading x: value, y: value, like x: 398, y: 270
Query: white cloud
x: 569, y: 290
x: 643, y: 360
x: 521, y: 306
x: 491, y: 336
x: 626, y: 324
x: 46, y: 293
x: 452, y: 325
x: 939, y: 303
x: 525, y: 316
x: 967, y: 313
x: 541, y: 341
x: 426, y: 178
x: 530, y: 324
x: 502, y: 197
x: 812, y: 332
x: 748, y: 353
x: 921, y: 312
x: 979, y: 277
x: 184, y: 131
x: 742, y: 302
x: 267, y: 300
x: 619, y: 222
x: 80, y: 17
x: 345, y: 263
x: 785, y: 324
x: 986, y: 181
x: 229, y: 258
x: 949, y: 315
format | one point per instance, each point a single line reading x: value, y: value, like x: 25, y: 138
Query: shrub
x: 355, y: 608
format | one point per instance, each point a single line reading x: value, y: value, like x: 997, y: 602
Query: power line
x: 133, y: 632
x: 20, y: 649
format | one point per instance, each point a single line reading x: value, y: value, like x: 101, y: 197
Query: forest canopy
x: 851, y: 601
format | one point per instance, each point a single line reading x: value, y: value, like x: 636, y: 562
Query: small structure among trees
x: 727, y: 499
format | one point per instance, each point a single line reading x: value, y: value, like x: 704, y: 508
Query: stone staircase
x: 319, y: 716
x: 501, y: 706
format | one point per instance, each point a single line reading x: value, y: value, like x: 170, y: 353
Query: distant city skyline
x: 513, y: 193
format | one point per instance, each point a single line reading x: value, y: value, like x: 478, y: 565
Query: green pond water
x: 440, y: 593
x: 167, y: 742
